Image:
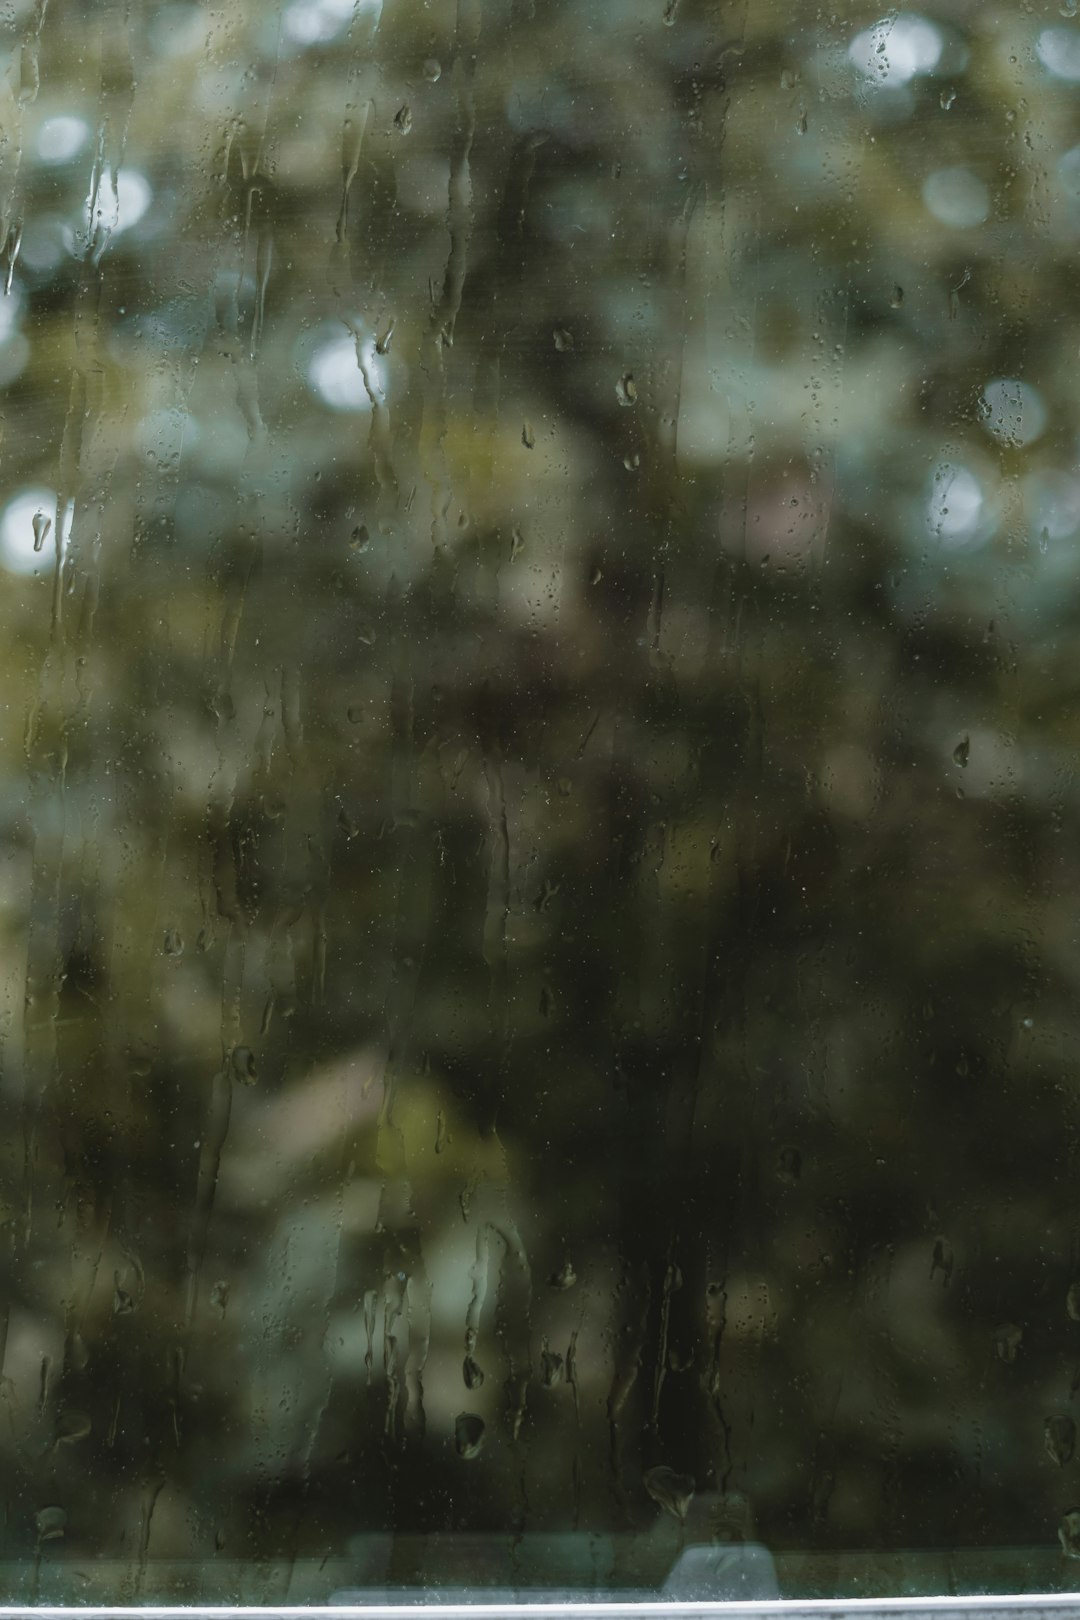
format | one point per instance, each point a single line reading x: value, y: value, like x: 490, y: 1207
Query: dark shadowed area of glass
x: 539, y: 797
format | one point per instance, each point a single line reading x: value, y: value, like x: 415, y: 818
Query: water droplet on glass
x: 50, y: 1522
x: 42, y: 525
x: 71, y: 1427
x: 403, y: 119
x: 173, y: 943
x: 897, y: 297
x: 788, y: 79
x: 219, y: 1296
x: 441, y: 1136
x: 962, y: 752
x: 1059, y: 1438
x: 432, y: 70
x: 1069, y: 1534
x: 564, y: 1278
x: 674, y: 1492
x: 632, y: 461
x: 359, y: 539
x: 243, y: 1064
x: 1008, y: 1340
x: 801, y: 125
x: 517, y: 544
x: 551, y: 1368
x: 626, y: 390
x: 947, y: 97
x: 472, y: 1373
x: 123, y: 1303
x: 468, y: 1434
x: 1072, y: 1301
x: 528, y: 437
x: 789, y: 1164
x: 564, y: 339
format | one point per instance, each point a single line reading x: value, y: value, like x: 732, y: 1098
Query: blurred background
x: 539, y: 925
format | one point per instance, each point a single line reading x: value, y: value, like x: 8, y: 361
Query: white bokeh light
x: 1068, y: 168
x: 62, y: 138
x: 334, y: 373
x: 957, y: 507
x: 1012, y: 411
x: 1052, y: 504
x: 120, y: 202
x: 1058, y: 49
x: 956, y: 197
x: 896, y: 49
x: 17, y: 530
x: 312, y: 22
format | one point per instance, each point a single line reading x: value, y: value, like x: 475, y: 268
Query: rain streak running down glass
x: 540, y: 831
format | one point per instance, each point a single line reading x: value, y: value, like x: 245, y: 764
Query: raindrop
x: 626, y: 390
x: 789, y: 1164
x: 472, y: 1373
x: 947, y: 98
x: 468, y: 1435
x: 962, y: 752
x: 1059, y: 1438
x: 632, y: 461
x: 897, y: 297
x: 334, y: 373
x: 788, y: 79
x: 674, y: 1492
x: 403, y: 119
x: 564, y: 1278
x: 360, y: 539
x: 41, y: 527
x: 219, y: 1296
x: 355, y: 713
x: 432, y: 70
x: 528, y: 437
x: 441, y: 1135
x: 1008, y: 1340
x: 517, y: 544
x: 51, y: 1522
x: 564, y: 339
x: 1072, y: 1301
x: 243, y: 1063
x: 551, y: 1368
x: 173, y: 943
x: 123, y: 1303
x: 1069, y: 1534
x: 71, y: 1427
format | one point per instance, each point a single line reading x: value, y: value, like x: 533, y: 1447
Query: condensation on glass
x: 539, y: 940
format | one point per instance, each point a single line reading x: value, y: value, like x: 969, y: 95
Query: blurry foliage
x: 539, y: 948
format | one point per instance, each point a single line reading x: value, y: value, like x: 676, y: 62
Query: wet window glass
x: 539, y: 945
